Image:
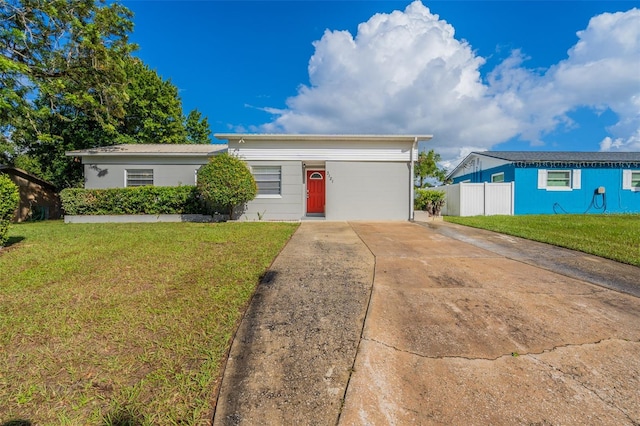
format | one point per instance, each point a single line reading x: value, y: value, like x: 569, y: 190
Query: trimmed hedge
x: 9, y: 198
x: 133, y: 200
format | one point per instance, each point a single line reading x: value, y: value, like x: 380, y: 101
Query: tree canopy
x: 68, y: 81
x: 427, y: 171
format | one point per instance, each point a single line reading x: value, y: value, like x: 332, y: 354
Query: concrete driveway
x: 455, y: 333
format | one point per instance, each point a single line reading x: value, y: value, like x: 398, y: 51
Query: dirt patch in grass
x: 113, y: 323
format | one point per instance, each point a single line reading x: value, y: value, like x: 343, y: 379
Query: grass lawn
x: 114, y: 324
x: 615, y: 237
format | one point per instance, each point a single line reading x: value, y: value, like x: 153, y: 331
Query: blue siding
x: 485, y: 175
x: 531, y: 200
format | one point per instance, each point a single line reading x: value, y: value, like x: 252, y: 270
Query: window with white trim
x: 138, y: 177
x: 631, y: 180
x: 559, y: 180
x: 497, y: 177
x: 268, y: 179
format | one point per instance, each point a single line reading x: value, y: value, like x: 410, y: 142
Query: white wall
x: 289, y: 205
x: 368, y: 190
x: 478, y: 199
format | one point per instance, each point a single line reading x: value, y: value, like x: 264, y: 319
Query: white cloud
x: 602, y: 71
x: 405, y: 72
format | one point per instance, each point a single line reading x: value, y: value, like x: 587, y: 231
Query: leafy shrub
x: 9, y: 198
x: 429, y: 200
x: 226, y: 183
x: 134, y: 200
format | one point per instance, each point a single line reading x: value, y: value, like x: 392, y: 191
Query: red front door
x: 315, y: 191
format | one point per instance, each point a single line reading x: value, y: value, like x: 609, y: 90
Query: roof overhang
x: 284, y: 137
x: 155, y: 150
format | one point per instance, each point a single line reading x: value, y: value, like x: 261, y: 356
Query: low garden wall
x: 145, y: 218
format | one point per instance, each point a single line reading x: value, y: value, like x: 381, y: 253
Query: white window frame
x: 259, y: 171
x: 495, y: 175
x: 128, y: 178
x: 575, y: 177
x: 628, y: 176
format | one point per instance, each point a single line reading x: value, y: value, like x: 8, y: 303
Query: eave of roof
x: 535, y: 157
x: 566, y: 156
x: 26, y: 175
x: 173, y: 150
x: 288, y: 137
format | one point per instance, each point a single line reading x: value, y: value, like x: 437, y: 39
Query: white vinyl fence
x: 478, y: 199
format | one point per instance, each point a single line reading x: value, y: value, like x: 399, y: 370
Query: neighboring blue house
x: 559, y: 182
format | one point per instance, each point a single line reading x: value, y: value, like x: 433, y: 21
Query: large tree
x: 66, y: 53
x: 427, y: 170
x: 68, y: 81
x: 153, y: 113
x: 61, y: 68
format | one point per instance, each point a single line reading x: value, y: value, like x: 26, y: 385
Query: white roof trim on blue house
x: 552, y: 159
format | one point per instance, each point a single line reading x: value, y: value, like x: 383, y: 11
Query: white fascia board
x: 255, y: 137
x: 294, y: 154
x: 322, y: 150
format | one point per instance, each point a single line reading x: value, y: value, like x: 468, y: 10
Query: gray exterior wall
x: 109, y: 172
x: 288, y: 206
x: 368, y: 190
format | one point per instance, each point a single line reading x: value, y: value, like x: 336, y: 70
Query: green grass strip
x: 614, y: 237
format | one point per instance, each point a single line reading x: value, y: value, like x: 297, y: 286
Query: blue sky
x: 502, y: 75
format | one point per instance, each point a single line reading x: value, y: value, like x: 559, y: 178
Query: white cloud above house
x: 405, y: 72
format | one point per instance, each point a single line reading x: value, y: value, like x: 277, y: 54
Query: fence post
x: 484, y: 199
x: 513, y: 198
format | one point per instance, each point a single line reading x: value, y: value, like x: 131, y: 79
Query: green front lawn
x: 123, y: 323
x: 615, y: 237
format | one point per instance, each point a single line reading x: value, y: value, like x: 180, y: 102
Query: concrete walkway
x: 455, y: 333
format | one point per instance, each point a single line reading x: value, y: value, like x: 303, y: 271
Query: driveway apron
x: 458, y: 334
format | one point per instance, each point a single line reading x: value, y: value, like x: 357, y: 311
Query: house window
x: 138, y: 177
x: 559, y: 180
x: 498, y: 177
x: 631, y: 180
x: 268, y: 179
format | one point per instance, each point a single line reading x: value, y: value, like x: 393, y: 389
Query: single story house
x: 144, y: 164
x: 331, y: 177
x: 559, y: 182
x: 336, y: 177
x: 38, y: 198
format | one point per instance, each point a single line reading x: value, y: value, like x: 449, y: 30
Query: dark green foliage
x: 68, y: 81
x: 226, y: 183
x: 62, y: 80
x: 9, y: 198
x: 429, y: 200
x: 197, y: 128
x: 153, y: 113
x: 65, y: 54
x: 136, y: 200
x: 426, y: 168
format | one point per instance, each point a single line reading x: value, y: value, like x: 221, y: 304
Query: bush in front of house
x: 225, y: 183
x: 132, y: 200
x: 9, y: 198
x: 429, y: 200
